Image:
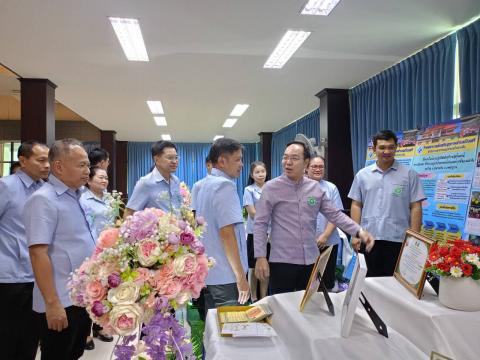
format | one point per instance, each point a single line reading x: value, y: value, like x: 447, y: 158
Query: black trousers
x: 220, y: 295
x: 68, y: 344
x: 18, y: 333
x: 381, y: 260
x: 288, y: 277
x: 329, y: 273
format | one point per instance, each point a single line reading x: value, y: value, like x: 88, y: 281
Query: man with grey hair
x: 59, y: 240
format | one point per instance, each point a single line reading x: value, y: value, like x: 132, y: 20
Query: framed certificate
x: 410, y: 268
x: 436, y: 356
x: 314, y: 282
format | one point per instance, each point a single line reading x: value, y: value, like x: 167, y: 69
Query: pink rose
x: 186, y: 238
x: 108, y: 238
x: 171, y: 289
x: 143, y: 275
x: 162, y: 275
x: 148, y: 252
x: 95, y: 290
x: 184, y: 265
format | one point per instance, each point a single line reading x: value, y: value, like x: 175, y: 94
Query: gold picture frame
x: 313, y: 282
x: 410, y: 267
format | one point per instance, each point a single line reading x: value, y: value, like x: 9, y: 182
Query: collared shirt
x: 15, y: 266
x: 53, y: 216
x: 98, y: 212
x: 292, y: 209
x: 219, y: 204
x: 331, y: 192
x: 251, y: 195
x: 386, y: 197
x: 153, y: 191
x: 195, y: 189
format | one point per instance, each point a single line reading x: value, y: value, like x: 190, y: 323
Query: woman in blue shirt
x: 251, y: 194
x: 95, y: 202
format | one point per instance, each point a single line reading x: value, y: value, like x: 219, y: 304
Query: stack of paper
x: 249, y: 329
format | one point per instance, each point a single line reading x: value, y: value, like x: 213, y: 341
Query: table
x: 311, y: 334
x: 426, y: 323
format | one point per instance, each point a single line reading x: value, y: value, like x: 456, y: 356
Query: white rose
x: 185, y: 265
x: 148, y: 252
x: 125, y: 319
x: 125, y: 293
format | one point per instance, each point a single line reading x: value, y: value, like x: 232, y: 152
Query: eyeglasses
x: 317, y: 167
x: 172, y: 158
x: 294, y: 158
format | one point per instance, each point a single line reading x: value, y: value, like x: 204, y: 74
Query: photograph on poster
x: 410, y: 268
x: 353, y: 294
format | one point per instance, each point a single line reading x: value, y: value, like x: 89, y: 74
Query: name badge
x: 311, y: 201
x: 398, y: 190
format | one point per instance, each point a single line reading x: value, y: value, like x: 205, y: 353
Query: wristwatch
x: 358, y: 232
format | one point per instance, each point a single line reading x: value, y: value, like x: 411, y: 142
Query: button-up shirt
x: 251, y: 195
x: 98, y: 212
x: 15, y: 266
x: 292, y: 209
x: 219, y: 204
x: 195, y: 189
x: 333, y: 195
x: 386, y: 197
x: 53, y: 216
x: 153, y: 191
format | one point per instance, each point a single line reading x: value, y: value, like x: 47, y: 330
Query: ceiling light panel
x: 239, y: 109
x: 287, y: 46
x: 166, y: 137
x: 130, y: 37
x: 155, y: 107
x: 229, y: 123
x: 160, y: 120
x: 319, y: 7
x: 216, y: 137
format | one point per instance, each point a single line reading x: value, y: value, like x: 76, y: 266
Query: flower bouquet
x: 141, y: 269
x: 458, y: 265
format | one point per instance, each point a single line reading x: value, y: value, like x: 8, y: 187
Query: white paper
x: 252, y: 329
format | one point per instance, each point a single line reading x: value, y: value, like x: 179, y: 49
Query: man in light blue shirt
x: 18, y: 338
x: 386, y: 200
x: 161, y: 188
x: 59, y: 240
x: 224, y: 239
x: 327, y: 233
x: 197, y: 186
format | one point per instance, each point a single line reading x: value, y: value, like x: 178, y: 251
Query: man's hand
x: 367, y: 238
x: 56, y: 317
x: 322, y: 240
x: 356, y: 242
x: 243, y: 290
x: 262, y: 270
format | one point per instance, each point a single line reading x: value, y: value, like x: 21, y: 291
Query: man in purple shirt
x: 291, y: 203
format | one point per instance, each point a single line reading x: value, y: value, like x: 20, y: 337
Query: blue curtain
x: 469, y: 58
x: 414, y: 93
x: 191, y: 167
x: 308, y: 125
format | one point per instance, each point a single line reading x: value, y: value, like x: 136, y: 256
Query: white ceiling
x: 208, y: 55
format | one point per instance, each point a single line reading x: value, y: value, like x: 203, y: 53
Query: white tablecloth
x: 426, y: 323
x: 311, y: 334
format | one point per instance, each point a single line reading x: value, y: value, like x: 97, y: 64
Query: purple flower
x: 197, y: 247
x: 162, y: 303
x: 182, y: 224
x: 173, y: 239
x: 141, y: 225
x: 98, y: 309
x: 186, y: 238
x: 114, y: 280
x: 200, y: 220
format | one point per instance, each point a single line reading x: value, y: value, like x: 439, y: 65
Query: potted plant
x: 457, y: 263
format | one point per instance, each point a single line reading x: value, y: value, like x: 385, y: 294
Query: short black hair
x: 207, y: 159
x: 62, y: 147
x: 26, y: 148
x: 306, y: 152
x: 159, y: 146
x: 14, y: 165
x: 384, y: 135
x: 97, y: 155
x: 223, y: 146
x: 319, y: 157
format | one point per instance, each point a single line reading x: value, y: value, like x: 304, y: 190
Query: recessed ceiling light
x: 229, y: 123
x: 218, y: 137
x: 156, y: 107
x: 287, y: 46
x: 319, y: 7
x: 130, y: 37
x: 239, y: 109
x: 166, y: 137
x: 160, y: 120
